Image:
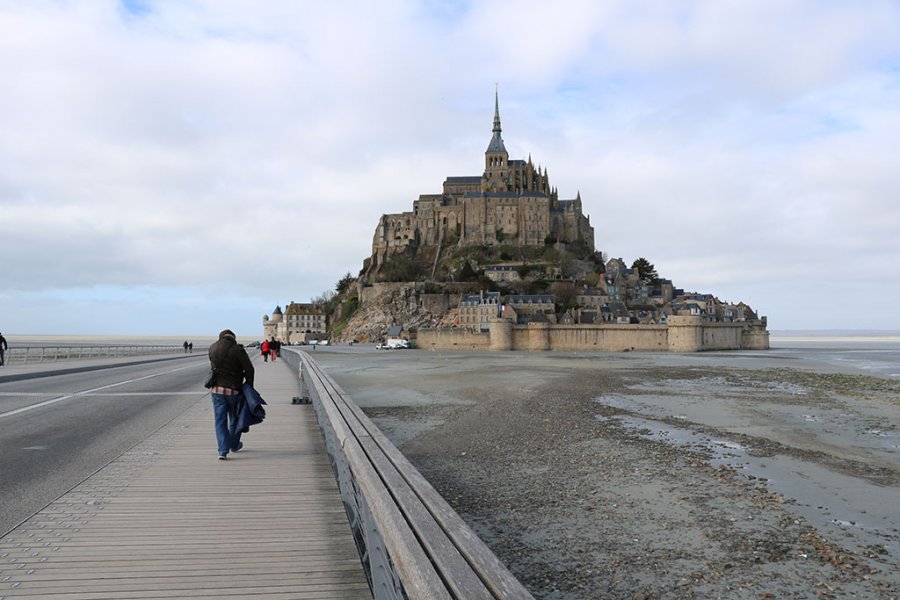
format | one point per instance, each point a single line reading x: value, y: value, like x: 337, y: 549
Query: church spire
x: 497, y: 129
x: 496, y: 145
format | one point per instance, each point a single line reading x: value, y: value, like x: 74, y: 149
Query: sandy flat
x: 645, y: 475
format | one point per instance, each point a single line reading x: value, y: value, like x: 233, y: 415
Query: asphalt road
x: 57, y: 429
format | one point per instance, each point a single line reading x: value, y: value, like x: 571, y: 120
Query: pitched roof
x: 467, y: 179
x: 531, y: 298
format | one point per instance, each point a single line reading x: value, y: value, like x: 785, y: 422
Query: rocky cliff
x: 401, y: 306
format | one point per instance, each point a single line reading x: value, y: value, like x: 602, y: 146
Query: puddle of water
x: 856, y: 513
x: 722, y: 385
x: 826, y: 425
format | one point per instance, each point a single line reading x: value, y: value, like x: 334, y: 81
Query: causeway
x: 168, y: 520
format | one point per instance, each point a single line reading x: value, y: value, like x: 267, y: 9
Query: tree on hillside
x: 467, y: 273
x: 646, y: 269
x: 398, y: 267
x: 322, y: 301
x: 344, y: 283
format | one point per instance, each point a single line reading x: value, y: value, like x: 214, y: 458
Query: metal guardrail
x: 53, y: 353
x: 411, y: 542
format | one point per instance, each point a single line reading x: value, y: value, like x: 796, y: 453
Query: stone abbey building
x: 512, y: 202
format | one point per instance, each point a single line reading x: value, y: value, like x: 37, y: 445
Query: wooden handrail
x: 430, y: 550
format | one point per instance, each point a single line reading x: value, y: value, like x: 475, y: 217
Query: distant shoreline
x: 835, y: 333
x: 852, y: 339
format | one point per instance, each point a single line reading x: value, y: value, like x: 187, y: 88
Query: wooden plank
x: 270, y: 592
x: 167, y: 520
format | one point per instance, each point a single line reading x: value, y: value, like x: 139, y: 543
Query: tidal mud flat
x: 719, y: 475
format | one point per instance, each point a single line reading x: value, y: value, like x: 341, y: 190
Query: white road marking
x: 90, y: 392
x: 38, y: 394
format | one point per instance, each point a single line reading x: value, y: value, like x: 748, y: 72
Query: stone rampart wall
x: 682, y: 334
x: 721, y: 336
x: 757, y: 338
x: 609, y: 338
x: 450, y: 339
x: 520, y: 338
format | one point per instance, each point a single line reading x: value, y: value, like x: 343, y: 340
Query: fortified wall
x: 681, y: 334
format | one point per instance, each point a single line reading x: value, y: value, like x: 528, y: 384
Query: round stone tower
x: 685, y: 333
x: 501, y: 334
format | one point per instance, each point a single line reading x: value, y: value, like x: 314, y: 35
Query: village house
x: 528, y: 306
x: 477, y: 310
x: 298, y: 323
x: 592, y: 297
x: 502, y: 273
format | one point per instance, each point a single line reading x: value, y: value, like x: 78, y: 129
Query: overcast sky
x: 178, y: 167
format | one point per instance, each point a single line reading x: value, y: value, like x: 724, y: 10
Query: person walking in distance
x: 233, y: 370
x: 273, y: 349
x: 3, y: 348
x: 264, y: 350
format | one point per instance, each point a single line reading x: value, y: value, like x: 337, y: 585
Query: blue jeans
x: 226, y: 413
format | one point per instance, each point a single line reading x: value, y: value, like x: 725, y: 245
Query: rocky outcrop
x: 401, y: 305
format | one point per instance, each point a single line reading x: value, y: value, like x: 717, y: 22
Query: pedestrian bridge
x: 319, y: 504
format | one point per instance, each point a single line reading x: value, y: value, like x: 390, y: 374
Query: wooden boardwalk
x: 169, y: 520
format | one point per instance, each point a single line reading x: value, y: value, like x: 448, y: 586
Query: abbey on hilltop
x: 511, y: 203
x: 497, y: 261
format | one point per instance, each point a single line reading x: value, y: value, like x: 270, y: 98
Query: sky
x: 181, y: 166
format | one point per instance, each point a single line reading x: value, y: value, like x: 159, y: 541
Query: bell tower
x: 496, y: 158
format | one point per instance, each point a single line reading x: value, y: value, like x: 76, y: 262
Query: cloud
x: 193, y: 147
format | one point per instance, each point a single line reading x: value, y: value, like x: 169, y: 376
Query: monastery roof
x: 464, y: 179
x: 526, y: 194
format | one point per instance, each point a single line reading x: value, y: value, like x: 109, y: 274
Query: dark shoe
x: 223, y: 457
x: 239, y: 446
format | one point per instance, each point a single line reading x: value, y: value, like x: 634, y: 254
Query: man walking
x: 3, y: 348
x: 233, y: 369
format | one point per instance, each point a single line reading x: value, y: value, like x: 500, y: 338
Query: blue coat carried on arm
x: 251, y: 411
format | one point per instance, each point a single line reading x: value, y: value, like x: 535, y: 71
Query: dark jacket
x: 251, y: 411
x: 233, y: 366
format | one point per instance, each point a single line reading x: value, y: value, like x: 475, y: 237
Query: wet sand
x: 639, y: 475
